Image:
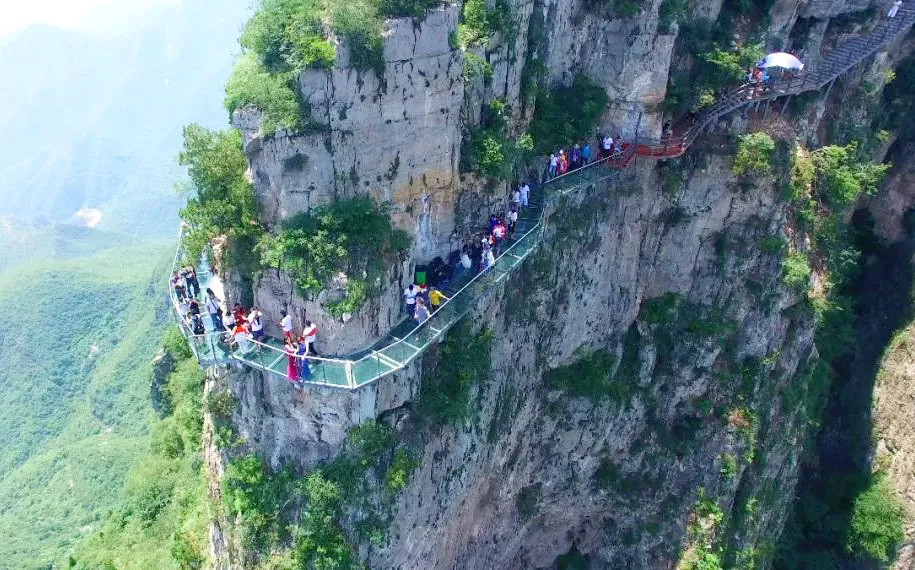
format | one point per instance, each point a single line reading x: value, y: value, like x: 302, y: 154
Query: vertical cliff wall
x: 663, y: 279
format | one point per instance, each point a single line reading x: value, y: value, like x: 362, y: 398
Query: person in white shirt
x: 229, y: 322
x: 310, y: 332
x: 409, y: 296
x: 606, y: 145
x: 286, y: 325
x: 212, y: 306
x: 894, y: 9
x: 422, y: 312
x: 516, y: 196
x: 525, y: 192
x: 512, y: 221
x: 255, y: 321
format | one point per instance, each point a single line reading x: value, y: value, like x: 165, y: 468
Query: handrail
x: 834, y: 64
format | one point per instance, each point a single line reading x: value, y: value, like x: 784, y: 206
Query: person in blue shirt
x: 586, y: 153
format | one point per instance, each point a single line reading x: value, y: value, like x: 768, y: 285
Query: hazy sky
x: 97, y: 16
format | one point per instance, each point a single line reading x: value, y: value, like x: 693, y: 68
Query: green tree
x: 842, y: 176
x: 567, y: 114
x: 221, y: 200
x: 754, y: 154
x: 251, y: 84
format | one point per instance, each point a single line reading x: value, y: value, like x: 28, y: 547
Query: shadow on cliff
x: 838, y: 467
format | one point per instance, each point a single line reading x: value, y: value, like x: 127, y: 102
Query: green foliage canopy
x: 222, y: 202
x: 842, y: 175
x: 754, y: 154
x: 251, y: 84
x: 567, y: 114
x: 876, y: 522
x: 464, y: 360
x: 353, y: 236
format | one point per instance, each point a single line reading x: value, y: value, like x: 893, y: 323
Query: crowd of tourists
x: 580, y: 155
x: 421, y: 299
x: 241, y: 329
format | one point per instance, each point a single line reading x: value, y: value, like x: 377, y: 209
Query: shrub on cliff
x: 876, y: 522
x: 251, y: 84
x: 754, y: 154
x: 567, y: 115
x: 220, y: 200
x: 479, y: 23
x: 795, y: 270
x: 488, y: 150
x: 353, y: 236
x: 842, y: 176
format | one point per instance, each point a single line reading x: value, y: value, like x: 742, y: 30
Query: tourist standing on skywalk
x: 310, y: 334
x: 214, y: 309
x: 193, y: 284
x: 894, y: 9
x: 286, y: 324
x: 422, y: 312
x: 257, y: 324
x: 525, y: 190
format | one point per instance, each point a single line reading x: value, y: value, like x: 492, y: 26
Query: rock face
x: 461, y: 508
x: 663, y: 269
x: 395, y: 138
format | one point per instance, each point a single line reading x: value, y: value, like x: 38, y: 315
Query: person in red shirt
x: 239, y: 313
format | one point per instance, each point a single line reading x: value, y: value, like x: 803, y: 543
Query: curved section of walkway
x: 399, y: 349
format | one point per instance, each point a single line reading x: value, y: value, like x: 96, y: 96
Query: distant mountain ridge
x: 96, y: 122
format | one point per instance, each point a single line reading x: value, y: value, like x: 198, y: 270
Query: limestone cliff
x: 662, y: 273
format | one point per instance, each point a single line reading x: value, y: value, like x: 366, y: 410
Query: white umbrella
x: 781, y: 59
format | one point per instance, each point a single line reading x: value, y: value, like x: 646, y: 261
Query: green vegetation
x: 162, y: 519
x: 795, y: 270
x: 588, y: 377
x: 702, y: 550
x: 567, y: 114
x: 352, y: 236
x: 489, y: 151
x: 670, y: 13
x: 876, y: 522
x: 728, y: 466
x: 842, y: 176
x: 251, y: 84
x: 720, y: 61
x: 528, y: 501
x: 754, y: 154
x: 220, y: 201
x: 626, y: 8
x: 268, y: 503
x: 284, y: 37
x: 479, y: 23
x: 463, y: 361
x: 659, y: 310
x: 75, y: 416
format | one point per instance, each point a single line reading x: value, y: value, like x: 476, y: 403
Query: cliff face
x: 674, y: 418
x: 662, y: 273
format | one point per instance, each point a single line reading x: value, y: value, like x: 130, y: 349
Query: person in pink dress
x: 292, y: 370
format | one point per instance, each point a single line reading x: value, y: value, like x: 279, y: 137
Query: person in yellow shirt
x: 436, y: 298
